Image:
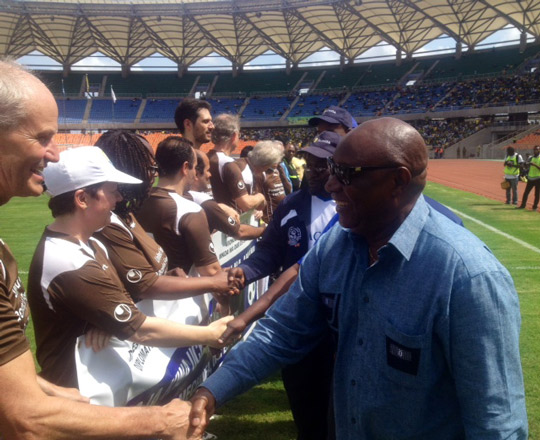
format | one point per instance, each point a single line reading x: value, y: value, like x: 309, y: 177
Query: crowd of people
x: 365, y: 351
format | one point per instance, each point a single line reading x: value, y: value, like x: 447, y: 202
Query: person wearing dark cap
x: 334, y: 119
x: 297, y: 224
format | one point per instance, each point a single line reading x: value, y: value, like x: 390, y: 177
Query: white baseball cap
x: 81, y: 167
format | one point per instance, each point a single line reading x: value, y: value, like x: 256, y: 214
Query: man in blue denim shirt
x: 427, y: 319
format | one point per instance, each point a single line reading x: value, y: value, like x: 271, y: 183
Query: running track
x: 482, y: 177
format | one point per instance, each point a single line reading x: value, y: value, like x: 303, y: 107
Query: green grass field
x: 262, y: 412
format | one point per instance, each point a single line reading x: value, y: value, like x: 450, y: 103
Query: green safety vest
x: 533, y: 171
x: 511, y: 170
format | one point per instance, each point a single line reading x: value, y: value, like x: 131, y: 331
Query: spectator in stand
x: 30, y: 406
x: 533, y: 180
x: 512, y: 165
x: 334, y: 119
x: 194, y: 121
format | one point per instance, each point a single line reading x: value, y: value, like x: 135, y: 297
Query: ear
x: 188, y: 125
x: 185, y: 168
x: 81, y: 199
x: 402, y: 177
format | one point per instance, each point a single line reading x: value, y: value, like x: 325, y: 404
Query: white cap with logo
x: 81, y: 167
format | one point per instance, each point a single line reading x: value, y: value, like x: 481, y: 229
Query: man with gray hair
x: 232, y: 182
x: 272, y: 181
x: 29, y: 405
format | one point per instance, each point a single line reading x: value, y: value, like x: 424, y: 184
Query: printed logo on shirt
x: 241, y: 185
x: 122, y: 312
x: 211, y: 248
x: 294, y: 235
x: 402, y: 358
x: 134, y: 276
x: 231, y: 221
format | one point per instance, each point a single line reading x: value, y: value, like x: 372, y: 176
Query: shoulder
x: 447, y: 241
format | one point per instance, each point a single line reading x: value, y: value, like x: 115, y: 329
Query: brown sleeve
x: 233, y: 180
x: 219, y: 220
x: 13, y: 342
x: 130, y: 262
x: 194, y: 229
x: 112, y: 310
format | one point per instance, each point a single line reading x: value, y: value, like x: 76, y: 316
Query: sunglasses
x: 345, y: 174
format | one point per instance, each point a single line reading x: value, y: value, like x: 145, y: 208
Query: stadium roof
x: 240, y: 30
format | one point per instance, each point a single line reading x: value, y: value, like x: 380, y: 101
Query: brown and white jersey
x: 137, y: 258
x: 180, y: 227
x: 273, y: 190
x: 72, y: 286
x: 217, y: 160
x: 14, y: 310
x: 218, y: 219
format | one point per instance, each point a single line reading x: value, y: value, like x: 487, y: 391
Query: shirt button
x: 353, y: 420
x: 360, y: 341
x: 366, y: 299
x: 353, y: 382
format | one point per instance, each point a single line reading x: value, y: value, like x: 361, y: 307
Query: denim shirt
x: 428, y: 336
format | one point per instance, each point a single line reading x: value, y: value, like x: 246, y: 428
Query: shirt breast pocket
x: 405, y: 358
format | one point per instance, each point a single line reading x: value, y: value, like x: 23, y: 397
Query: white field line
x: 497, y: 231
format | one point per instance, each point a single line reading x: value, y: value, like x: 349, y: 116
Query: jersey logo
x: 122, y: 312
x: 240, y: 185
x: 231, y: 221
x: 211, y: 248
x: 294, y: 235
x: 134, y: 276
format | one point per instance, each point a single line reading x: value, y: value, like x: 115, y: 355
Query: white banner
x: 127, y: 373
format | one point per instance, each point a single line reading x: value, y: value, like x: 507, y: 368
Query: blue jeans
x: 513, y: 188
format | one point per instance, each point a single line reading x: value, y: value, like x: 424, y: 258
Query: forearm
x: 247, y: 201
x: 276, y: 290
x: 60, y: 419
x: 248, y: 232
x: 157, y: 332
x: 26, y: 412
x: 170, y: 287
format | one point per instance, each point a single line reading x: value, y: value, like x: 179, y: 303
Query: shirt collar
x: 405, y: 238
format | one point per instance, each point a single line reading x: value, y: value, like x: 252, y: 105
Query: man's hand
x: 224, y: 286
x: 235, y: 329
x: 231, y: 212
x: 236, y: 277
x: 203, y: 407
x: 177, y: 420
x: 97, y: 339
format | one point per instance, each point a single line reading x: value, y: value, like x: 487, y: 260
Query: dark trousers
x: 530, y: 185
x: 308, y: 384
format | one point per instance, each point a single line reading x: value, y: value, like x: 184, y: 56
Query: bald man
x: 31, y: 407
x: 427, y: 320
